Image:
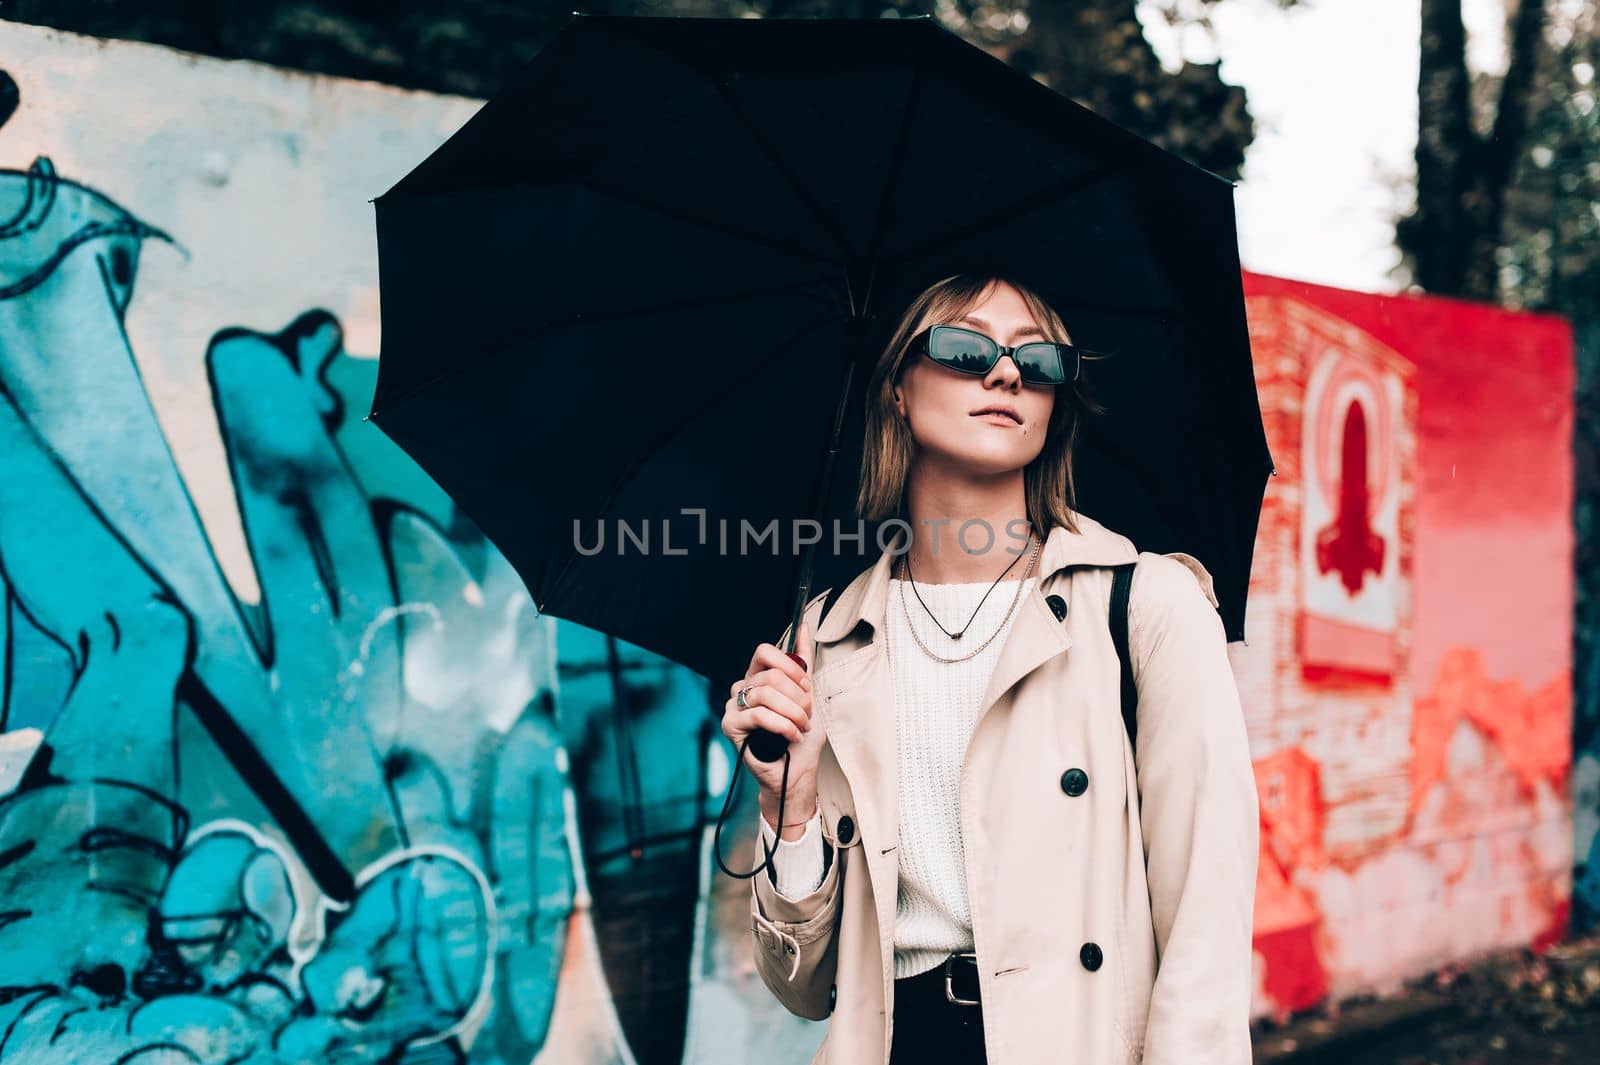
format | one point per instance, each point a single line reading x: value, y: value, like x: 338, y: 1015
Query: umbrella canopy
x: 622, y: 301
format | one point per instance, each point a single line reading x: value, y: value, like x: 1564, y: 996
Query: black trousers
x: 928, y: 1029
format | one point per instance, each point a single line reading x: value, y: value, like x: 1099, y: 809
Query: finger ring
x: 743, y: 703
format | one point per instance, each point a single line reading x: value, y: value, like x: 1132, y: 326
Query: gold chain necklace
x: 998, y: 629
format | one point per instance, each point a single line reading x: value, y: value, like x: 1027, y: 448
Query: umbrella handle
x: 770, y: 746
x: 767, y: 746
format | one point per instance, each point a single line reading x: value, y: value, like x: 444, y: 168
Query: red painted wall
x: 1408, y: 676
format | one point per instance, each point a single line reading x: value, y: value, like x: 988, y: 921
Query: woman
x: 967, y: 869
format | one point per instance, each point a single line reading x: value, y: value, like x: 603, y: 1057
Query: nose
x: 1005, y: 373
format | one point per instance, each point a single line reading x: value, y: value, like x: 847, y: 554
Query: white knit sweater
x: 936, y: 708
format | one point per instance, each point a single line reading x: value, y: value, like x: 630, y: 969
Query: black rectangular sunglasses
x: 1040, y: 362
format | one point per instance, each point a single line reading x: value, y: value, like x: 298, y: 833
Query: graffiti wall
x: 291, y: 770
x: 1408, y: 674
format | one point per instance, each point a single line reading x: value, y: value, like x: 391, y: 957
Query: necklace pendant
x: 957, y: 635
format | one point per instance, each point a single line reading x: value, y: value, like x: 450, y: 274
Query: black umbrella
x: 648, y: 279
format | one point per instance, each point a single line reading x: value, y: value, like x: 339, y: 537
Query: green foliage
x: 1551, y: 256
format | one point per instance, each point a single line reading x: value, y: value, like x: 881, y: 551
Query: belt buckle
x: 949, y: 989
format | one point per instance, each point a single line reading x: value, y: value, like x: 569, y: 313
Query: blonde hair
x: 889, y: 447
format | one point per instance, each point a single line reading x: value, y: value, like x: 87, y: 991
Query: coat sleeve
x: 1199, y: 816
x: 795, y: 941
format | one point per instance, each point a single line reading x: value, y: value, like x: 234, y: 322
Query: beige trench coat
x: 1048, y: 872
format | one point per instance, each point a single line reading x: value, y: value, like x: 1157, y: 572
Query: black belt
x: 955, y: 981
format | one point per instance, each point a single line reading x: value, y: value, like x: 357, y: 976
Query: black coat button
x: 1057, y: 605
x: 1090, y: 956
x: 1074, y: 782
x: 833, y: 996
x: 846, y: 830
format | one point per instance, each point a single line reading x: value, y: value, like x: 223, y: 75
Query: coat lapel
x: 857, y: 707
x: 1035, y: 638
x: 1037, y: 635
x: 857, y: 710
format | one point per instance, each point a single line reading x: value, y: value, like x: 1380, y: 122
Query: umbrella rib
x: 456, y: 369
x: 897, y: 161
x: 826, y: 221
x: 762, y: 143
x: 644, y: 452
x: 707, y: 223
x: 1075, y: 184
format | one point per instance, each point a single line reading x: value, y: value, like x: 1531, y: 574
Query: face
x: 943, y: 405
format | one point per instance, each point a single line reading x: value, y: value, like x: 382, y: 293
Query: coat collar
x: 866, y: 597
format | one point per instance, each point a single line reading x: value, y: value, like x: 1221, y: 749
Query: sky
x: 1333, y: 88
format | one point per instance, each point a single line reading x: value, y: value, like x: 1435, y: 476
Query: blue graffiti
x: 330, y: 826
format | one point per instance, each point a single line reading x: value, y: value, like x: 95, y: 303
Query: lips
x: 1006, y: 411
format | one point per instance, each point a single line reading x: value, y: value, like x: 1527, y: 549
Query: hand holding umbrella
x: 774, y: 697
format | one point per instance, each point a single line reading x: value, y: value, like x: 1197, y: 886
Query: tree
x: 1549, y: 258
x: 1450, y: 238
x: 1095, y: 52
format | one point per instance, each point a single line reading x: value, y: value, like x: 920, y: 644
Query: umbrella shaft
x: 819, y: 504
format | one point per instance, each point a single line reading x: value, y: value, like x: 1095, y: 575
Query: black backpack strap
x: 1121, y: 585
